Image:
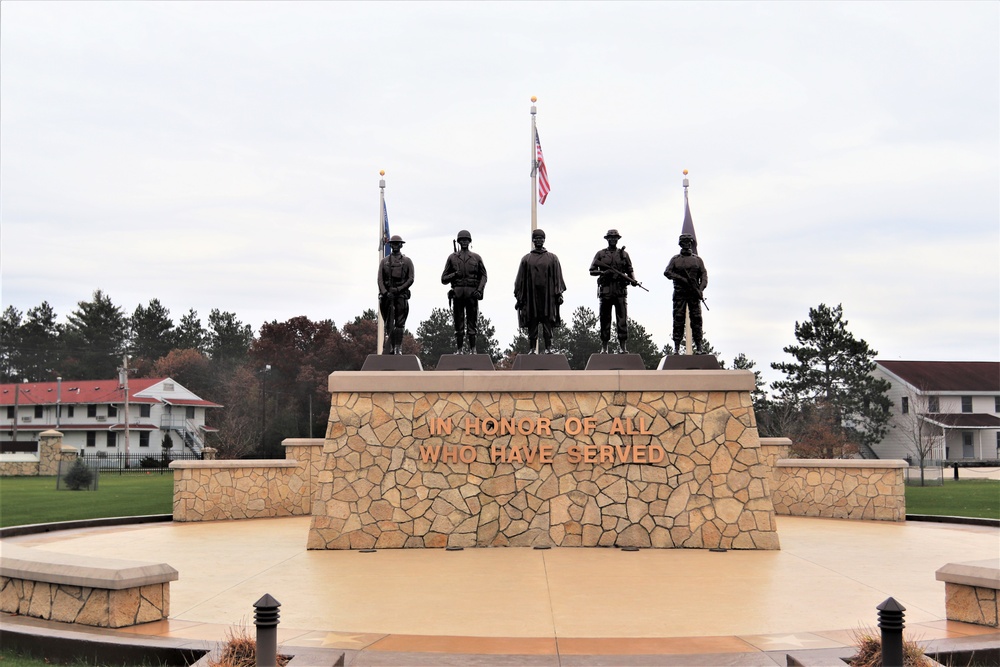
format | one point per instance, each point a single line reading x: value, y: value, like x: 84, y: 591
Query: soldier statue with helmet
x: 465, y: 272
x: 613, y: 268
x: 690, y: 278
x: 395, y: 276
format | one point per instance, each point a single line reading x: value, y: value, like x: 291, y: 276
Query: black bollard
x: 265, y: 617
x: 954, y: 467
x: 890, y: 620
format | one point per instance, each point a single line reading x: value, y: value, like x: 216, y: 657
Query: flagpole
x: 688, y: 336
x: 534, y: 170
x: 381, y: 254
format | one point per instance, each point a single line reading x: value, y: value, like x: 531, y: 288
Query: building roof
x: 963, y: 420
x: 85, y: 392
x: 954, y: 376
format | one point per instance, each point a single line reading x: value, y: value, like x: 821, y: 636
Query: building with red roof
x: 96, y: 415
x: 950, y: 409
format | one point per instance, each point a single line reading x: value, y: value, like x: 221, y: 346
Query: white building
x: 952, y: 408
x: 92, y: 415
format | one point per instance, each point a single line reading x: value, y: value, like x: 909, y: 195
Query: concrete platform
x: 548, y: 607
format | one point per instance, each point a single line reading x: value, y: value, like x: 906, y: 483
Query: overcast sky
x: 226, y: 155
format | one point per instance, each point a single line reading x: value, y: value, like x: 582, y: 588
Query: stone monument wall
x: 615, y: 458
x: 840, y: 488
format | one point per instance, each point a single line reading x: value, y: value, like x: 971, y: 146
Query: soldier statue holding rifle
x: 690, y: 278
x: 465, y: 272
x: 395, y: 275
x: 613, y: 269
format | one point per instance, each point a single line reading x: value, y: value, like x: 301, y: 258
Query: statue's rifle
x: 693, y: 285
x: 632, y: 281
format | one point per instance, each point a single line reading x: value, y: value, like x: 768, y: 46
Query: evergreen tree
x: 759, y: 397
x: 228, y: 338
x: 153, y: 334
x: 79, y: 476
x: 436, y: 336
x: 10, y: 344
x: 832, y: 374
x: 95, y: 339
x: 641, y: 343
x: 581, y: 339
x: 190, y: 335
x: 41, y: 348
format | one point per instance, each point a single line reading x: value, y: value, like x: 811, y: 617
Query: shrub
x: 869, y: 643
x: 79, y: 476
x: 240, y: 650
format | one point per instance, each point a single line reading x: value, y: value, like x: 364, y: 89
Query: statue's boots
x: 532, y: 343
x: 472, y: 343
x: 548, y: 346
x: 458, y: 343
x: 677, y: 347
x: 604, y: 347
x: 622, y: 346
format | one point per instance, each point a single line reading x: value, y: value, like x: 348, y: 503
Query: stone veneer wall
x: 85, y: 605
x: 247, y: 489
x: 711, y: 490
x: 971, y: 591
x: 840, y: 488
x: 51, y: 451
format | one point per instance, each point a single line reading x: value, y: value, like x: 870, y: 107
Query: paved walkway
x: 550, y: 607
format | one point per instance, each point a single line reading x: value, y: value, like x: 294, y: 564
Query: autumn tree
x: 191, y: 368
x: 832, y: 373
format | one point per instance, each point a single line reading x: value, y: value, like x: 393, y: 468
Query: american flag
x: 543, y: 173
x: 384, y: 242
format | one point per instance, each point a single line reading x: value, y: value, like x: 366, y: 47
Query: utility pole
x: 123, y: 379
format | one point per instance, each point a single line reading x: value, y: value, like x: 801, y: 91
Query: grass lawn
x: 35, y: 499
x: 965, y: 497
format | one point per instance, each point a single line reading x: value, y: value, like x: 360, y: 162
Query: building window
x: 143, y: 410
x: 91, y: 410
x: 996, y: 404
x: 112, y: 410
x: 144, y: 438
x: 10, y: 412
x: 998, y: 444
x: 904, y: 405
x: 933, y: 405
x: 39, y: 411
x: 70, y: 410
x: 966, y: 404
x: 189, y: 413
x: 112, y: 439
x: 91, y: 438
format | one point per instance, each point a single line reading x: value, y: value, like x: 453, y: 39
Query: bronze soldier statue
x: 613, y: 268
x: 395, y: 275
x: 538, y: 291
x: 690, y: 280
x: 465, y: 272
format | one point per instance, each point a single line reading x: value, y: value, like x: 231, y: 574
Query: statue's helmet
x: 464, y: 234
x: 396, y: 238
x: 685, y: 237
x: 537, y: 233
x: 612, y: 234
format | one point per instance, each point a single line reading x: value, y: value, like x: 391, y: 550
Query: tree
x: 152, y: 331
x: 436, y: 336
x: 10, y: 344
x: 96, y: 336
x: 41, y: 343
x: 300, y: 354
x: 920, y: 435
x: 743, y: 363
x: 641, y: 343
x: 189, y: 334
x: 817, y: 434
x: 190, y: 368
x: 240, y: 422
x: 79, y: 476
x: 228, y: 338
x: 581, y: 339
x: 833, y: 370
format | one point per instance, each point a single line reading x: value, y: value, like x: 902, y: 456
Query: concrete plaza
x: 549, y: 607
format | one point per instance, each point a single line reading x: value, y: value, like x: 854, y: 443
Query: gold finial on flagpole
x: 534, y: 99
x: 382, y: 172
x: 685, y: 182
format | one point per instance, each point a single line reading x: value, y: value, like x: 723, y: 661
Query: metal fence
x: 933, y: 475
x: 134, y: 464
